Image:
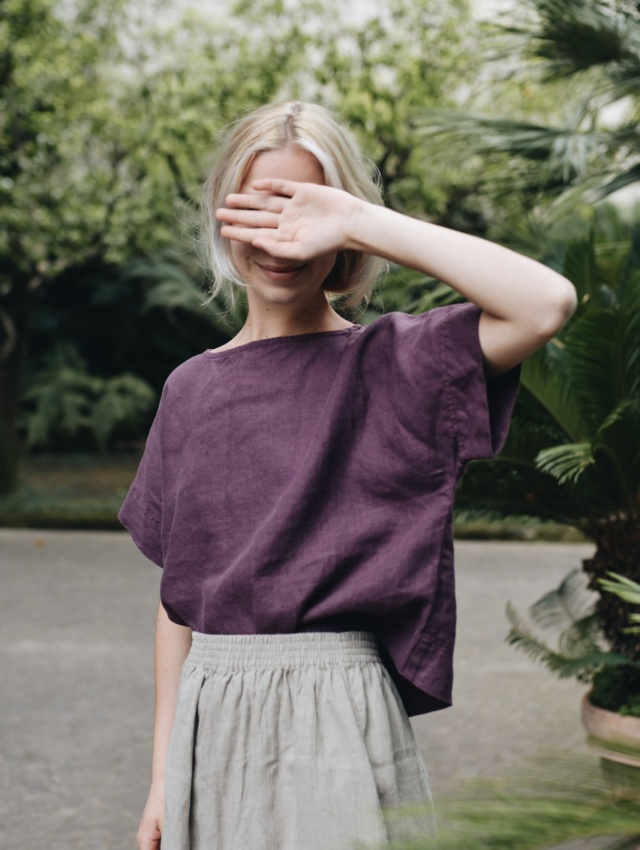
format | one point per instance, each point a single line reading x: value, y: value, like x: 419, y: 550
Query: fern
x: 64, y: 399
x: 123, y: 399
x: 579, y: 653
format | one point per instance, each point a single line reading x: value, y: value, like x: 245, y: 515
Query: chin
x: 276, y: 294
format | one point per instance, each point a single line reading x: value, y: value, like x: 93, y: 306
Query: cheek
x: 239, y: 254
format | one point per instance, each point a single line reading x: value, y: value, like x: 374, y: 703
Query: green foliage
x: 378, y: 73
x: 627, y: 590
x: 573, y: 449
x: 573, y: 452
x: 580, y: 651
x: 588, y: 53
x: 556, y: 800
x: 617, y: 688
x: 64, y: 401
x: 119, y: 401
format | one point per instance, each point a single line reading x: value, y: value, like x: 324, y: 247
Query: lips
x: 281, y: 269
x: 281, y: 274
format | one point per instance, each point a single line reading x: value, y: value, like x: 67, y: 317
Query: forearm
x: 172, y: 647
x: 500, y: 281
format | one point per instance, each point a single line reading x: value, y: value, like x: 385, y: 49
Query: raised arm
x: 524, y: 303
x: 172, y: 647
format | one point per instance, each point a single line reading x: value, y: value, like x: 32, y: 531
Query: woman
x: 297, y: 487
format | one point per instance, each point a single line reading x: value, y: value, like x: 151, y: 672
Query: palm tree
x: 573, y: 450
x: 594, y: 42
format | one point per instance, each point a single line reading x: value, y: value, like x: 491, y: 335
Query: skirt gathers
x: 292, y: 742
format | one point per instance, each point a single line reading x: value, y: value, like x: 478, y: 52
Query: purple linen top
x: 306, y: 483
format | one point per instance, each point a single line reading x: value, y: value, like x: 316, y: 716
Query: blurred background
x: 514, y: 121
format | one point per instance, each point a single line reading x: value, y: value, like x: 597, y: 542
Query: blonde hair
x: 271, y: 128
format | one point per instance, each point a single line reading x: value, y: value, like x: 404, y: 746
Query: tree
x: 104, y: 130
x: 109, y: 114
x: 65, y: 180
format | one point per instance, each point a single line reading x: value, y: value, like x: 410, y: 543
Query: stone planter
x: 612, y: 736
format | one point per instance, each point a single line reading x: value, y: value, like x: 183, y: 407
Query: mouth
x: 281, y: 272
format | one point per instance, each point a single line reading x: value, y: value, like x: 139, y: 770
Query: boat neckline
x: 278, y: 340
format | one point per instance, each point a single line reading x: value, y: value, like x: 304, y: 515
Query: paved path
x: 77, y: 613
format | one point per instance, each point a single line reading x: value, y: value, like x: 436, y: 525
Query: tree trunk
x: 16, y: 314
x: 618, y: 551
x: 9, y: 444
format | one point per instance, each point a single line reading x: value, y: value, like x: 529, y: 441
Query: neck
x: 268, y: 319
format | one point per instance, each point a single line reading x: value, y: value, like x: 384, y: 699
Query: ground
x: 77, y: 615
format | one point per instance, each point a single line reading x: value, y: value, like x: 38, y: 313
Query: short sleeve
x: 479, y: 410
x: 141, y: 511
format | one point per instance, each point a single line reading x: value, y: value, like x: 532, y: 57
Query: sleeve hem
x: 486, y: 405
x: 133, y: 516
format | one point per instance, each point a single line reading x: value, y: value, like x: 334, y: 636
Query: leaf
x: 623, y: 587
x: 566, y: 605
x: 582, y: 666
x: 124, y: 399
x: 567, y: 462
x: 545, y: 375
x: 595, y: 366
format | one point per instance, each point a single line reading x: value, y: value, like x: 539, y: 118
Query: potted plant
x: 614, y: 725
x: 611, y: 708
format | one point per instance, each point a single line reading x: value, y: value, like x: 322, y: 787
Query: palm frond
x: 566, y: 605
x: 582, y: 667
x: 628, y: 342
x: 590, y: 344
x: 616, y: 447
x: 606, y: 185
x: 573, y: 36
x: 623, y: 587
x: 581, y: 638
x: 563, y: 154
x: 629, y: 277
x: 581, y: 267
x: 567, y: 462
x: 545, y: 376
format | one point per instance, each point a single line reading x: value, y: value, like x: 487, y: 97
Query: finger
x: 248, y: 218
x: 243, y: 234
x: 255, y: 201
x: 275, y: 186
x: 281, y: 250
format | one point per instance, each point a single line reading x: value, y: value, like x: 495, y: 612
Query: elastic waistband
x: 301, y: 649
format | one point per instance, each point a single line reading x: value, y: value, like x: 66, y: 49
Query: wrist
x: 364, y: 219
x: 157, y: 785
x: 354, y: 224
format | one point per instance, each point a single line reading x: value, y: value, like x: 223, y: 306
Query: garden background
x: 111, y: 112
x: 517, y: 122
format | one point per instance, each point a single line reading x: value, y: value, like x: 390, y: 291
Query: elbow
x: 558, y: 307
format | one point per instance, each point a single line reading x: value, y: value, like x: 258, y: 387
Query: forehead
x: 290, y: 163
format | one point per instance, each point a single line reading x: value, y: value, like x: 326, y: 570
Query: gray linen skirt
x: 292, y: 742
